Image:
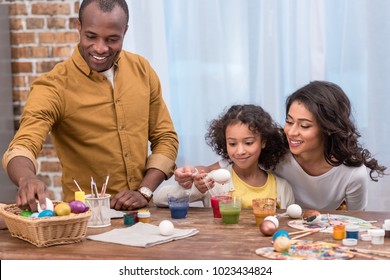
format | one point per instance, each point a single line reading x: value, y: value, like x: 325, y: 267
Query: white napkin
x: 141, y: 235
x: 116, y: 214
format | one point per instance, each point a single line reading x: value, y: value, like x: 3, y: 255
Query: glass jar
x: 339, y: 232
x: 143, y: 216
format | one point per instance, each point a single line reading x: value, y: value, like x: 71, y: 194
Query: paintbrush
x: 94, y: 188
x: 368, y: 256
x: 305, y: 234
x: 77, y: 185
x: 374, y: 252
x: 300, y: 231
x: 103, y: 192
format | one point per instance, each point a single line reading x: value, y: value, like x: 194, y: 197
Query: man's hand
x: 30, y: 190
x: 128, y: 200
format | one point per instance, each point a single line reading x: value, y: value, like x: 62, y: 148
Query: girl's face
x: 243, y: 146
x: 303, y: 132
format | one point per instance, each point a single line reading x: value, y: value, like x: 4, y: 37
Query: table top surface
x: 214, y: 240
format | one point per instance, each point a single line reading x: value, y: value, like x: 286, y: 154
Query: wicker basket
x: 44, y: 232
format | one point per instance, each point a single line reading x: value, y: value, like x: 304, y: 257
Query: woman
x: 327, y: 166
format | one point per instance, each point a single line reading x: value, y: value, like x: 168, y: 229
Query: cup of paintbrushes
x: 100, y: 207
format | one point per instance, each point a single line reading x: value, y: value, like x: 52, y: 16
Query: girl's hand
x: 200, y: 181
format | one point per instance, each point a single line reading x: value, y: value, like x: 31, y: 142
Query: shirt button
x: 126, y: 154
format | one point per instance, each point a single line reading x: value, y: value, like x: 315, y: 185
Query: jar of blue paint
x: 178, y: 204
x: 352, y: 231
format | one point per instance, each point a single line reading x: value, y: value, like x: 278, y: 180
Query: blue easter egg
x: 280, y: 232
x: 46, y: 213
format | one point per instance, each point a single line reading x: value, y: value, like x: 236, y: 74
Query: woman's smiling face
x: 303, y: 132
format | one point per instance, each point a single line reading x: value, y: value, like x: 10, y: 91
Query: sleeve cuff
x: 18, y: 151
x: 163, y: 163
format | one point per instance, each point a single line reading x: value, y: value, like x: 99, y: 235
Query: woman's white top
x: 326, y: 191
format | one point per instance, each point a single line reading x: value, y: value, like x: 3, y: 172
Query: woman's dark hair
x: 259, y: 122
x: 105, y: 6
x: 332, y: 110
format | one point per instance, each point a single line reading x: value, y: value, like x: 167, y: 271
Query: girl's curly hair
x: 259, y: 122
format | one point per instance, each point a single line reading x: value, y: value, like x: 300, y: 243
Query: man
x: 102, y: 107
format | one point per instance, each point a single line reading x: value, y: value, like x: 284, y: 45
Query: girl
x: 246, y: 138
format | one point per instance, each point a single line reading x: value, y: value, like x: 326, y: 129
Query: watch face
x: 146, y: 191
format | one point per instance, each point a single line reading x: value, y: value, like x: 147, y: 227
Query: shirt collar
x: 82, y: 64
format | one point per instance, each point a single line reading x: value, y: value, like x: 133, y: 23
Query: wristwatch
x: 146, y: 192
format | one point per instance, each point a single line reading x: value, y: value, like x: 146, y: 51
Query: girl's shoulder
x: 224, y: 163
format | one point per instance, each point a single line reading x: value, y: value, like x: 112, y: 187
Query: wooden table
x: 215, y: 240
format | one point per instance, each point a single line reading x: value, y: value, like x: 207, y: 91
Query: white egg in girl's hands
x: 49, y: 205
x: 166, y: 228
x: 273, y: 219
x: 294, y: 211
x: 220, y: 176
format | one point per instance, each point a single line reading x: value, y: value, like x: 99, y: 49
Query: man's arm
x: 21, y: 171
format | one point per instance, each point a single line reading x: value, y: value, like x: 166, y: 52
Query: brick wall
x: 43, y: 33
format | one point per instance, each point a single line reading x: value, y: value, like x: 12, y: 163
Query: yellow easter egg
x: 282, y: 244
x: 62, y: 209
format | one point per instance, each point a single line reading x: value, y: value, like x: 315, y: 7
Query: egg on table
x: 312, y: 217
x: 282, y: 244
x: 294, y: 211
x: 166, y: 228
x: 267, y: 227
x: 280, y: 232
x: 273, y: 219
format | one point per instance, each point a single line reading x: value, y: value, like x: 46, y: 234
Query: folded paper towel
x: 116, y: 214
x: 141, y: 235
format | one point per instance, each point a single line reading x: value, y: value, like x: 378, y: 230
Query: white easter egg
x: 49, y: 205
x: 273, y: 219
x: 220, y: 176
x: 312, y: 216
x: 294, y: 211
x: 166, y: 228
